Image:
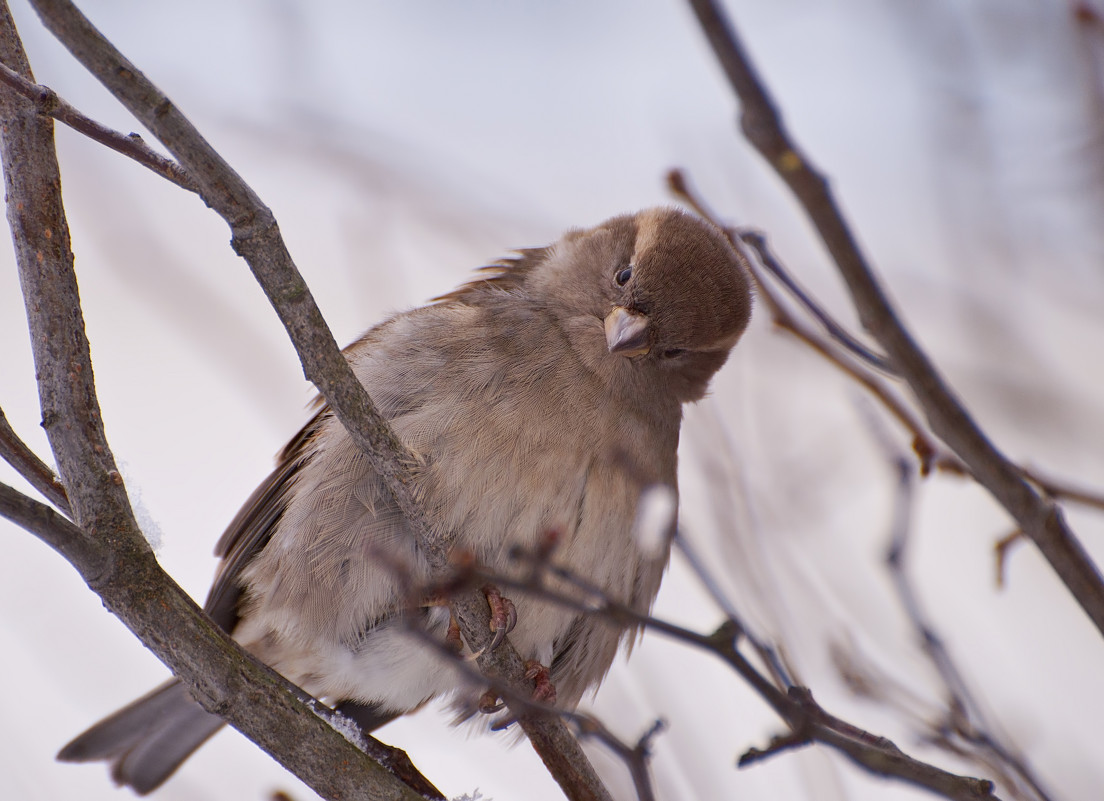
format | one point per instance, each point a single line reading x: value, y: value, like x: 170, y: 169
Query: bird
x: 545, y: 395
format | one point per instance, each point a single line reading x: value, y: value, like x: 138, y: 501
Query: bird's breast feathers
x: 518, y: 438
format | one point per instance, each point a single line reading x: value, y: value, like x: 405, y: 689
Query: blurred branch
x: 780, y: 673
x: 1039, y: 518
x: 48, y: 102
x: 932, y: 453
x: 634, y: 756
x: 1056, y: 488
x: 964, y: 729
x: 808, y: 722
x: 16, y: 453
x: 256, y: 238
x: 1001, y: 549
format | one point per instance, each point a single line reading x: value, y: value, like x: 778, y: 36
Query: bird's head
x: 670, y: 294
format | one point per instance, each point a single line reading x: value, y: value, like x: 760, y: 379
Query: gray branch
x: 105, y: 545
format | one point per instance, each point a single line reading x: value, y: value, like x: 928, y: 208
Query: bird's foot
x: 489, y: 703
x: 544, y: 691
x: 503, y: 615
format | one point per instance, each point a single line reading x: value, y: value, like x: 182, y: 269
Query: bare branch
x: 47, y: 101
x: 965, y: 721
x: 779, y: 672
x: 257, y: 239
x: 107, y: 547
x: 91, y: 558
x: 1039, y: 518
x: 1001, y: 548
x: 398, y: 763
x: 40, y: 233
x: 16, y: 453
x: 808, y: 722
x: 1057, y: 488
x: 634, y: 756
x: 929, y: 450
x: 932, y: 453
x: 835, y: 330
x: 52, y: 528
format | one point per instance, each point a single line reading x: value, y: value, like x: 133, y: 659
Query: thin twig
x: 834, y: 329
x: 965, y: 718
x: 132, y: 146
x: 52, y: 528
x: 932, y: 453
x: 769, y: 655
x: 1056, y: 488
x: 38, y: 474
x: 1037, y: 515
x: 634, y: 756
x: 795, y: 705
x: 1001, y: 549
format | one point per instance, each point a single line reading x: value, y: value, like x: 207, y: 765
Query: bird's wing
x: 261, y: 515
x: 252, y: 527
x: 399, y: 393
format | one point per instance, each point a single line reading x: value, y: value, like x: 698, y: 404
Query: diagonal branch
x: 52, y: 528
x: 16, y: 453
x: 965, y: 720
x: 256, y: 238
x: 48, y: 102
x: 105, y: 545
x: 1038, y: 517
x: 309, y: 745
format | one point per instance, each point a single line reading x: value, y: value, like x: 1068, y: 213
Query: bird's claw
x: 453, y: 641
x: 489, y: 703
x: 503, y: 615
x: 544, y: 691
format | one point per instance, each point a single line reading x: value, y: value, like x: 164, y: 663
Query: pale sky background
x: 403, y: 144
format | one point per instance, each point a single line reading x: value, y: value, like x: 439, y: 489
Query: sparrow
x: 544, y: 396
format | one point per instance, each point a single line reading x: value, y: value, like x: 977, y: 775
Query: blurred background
x: 400, y: 145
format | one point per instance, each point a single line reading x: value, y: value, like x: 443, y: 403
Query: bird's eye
x: 622, y: 277
x: 673, y: 352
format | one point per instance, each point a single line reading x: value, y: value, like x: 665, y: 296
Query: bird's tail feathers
x: 147, y: 740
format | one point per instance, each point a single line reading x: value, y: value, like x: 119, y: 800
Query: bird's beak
x: 627, y: 332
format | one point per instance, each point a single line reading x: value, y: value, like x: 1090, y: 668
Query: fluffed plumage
x: 545, y: 396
